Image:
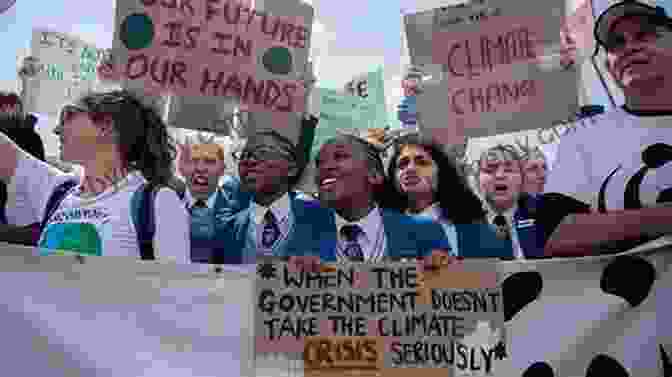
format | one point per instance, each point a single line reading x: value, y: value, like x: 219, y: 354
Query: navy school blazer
x: 314, y: 234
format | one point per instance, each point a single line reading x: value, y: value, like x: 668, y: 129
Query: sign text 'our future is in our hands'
x: 220, y: 48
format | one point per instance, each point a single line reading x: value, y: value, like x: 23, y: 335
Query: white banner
x: 572, y: 317
x: 120, y: 317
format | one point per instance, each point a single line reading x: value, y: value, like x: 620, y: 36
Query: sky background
x: 349, y: 36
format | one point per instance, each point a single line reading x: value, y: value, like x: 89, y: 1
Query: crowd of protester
x: 142, y: 194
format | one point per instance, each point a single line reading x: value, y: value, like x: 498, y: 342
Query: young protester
x: 278, y: 221
x: 524, y: 220
x: 352, y: 183
x: 202, y: 164
x: 126, y: 152
x: 536, y: 169
x: 429, y: 183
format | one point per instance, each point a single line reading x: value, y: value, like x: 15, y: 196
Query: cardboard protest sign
x: 201, y: 113
x: 66, y: 69
x: 353, y: 318
x: 224, y: 49
x: 370, y: 89
x: 501, y: 72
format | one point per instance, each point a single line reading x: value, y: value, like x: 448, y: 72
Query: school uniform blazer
x: 236, y: 198
x: 479, y: 240
x: 538, y: 216
x: 308, y: 235
x: 405, y: 236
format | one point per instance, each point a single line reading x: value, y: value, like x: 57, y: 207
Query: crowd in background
x: 139, y: 193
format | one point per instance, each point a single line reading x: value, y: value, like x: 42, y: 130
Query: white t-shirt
x: 616, y: 139
x: 101, y: 225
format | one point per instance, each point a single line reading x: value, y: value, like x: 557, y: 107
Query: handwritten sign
x: 66, y: 69
x: 502, y: 71
x: 370, y: 89
x: 376, y: 317
x: 214, y: 48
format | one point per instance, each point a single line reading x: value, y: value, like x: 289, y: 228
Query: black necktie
x: 200, y: 203
x: 353, y: 250
x: 271, y: 231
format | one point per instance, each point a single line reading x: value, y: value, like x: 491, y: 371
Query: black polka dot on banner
x: 539, y: 369
x: 278, y: 61
x: 603, y: 365
x: 665, y: 360
x: 519, y: 290
x: 657, y: 155
x: 630, y: 278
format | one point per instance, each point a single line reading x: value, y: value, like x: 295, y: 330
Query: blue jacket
x: 406, y: 236
x: 535, y: 220
x: 309, y: 233
x: 479, y: 240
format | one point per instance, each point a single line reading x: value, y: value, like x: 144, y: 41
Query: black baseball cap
x: 626, y: 8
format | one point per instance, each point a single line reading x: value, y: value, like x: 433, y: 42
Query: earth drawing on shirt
x: 71, y: 238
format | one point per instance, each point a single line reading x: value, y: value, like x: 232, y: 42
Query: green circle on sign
x: 278, y: 60
x: 137, y: 31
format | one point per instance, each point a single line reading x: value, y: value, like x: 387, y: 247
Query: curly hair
x: 458, y: 202
x: 142, y: 137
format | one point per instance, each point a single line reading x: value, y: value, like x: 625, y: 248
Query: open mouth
x: 327, y: 183
x: 501, y: 189
x: 411, y: 181
x: 200, y: 180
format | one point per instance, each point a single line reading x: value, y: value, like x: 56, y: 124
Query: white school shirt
x: 281, y: 209
x: 508, y: 215
x: 372, y: 240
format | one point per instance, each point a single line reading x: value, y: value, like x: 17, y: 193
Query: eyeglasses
x: 647, y: 33
x: 262, y: 154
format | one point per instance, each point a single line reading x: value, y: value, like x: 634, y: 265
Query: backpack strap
x: 55, y: 200
x: 142, y: 212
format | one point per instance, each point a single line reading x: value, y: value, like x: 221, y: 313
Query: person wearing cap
x: 622, y: 161
x: 352, y: 183
x: 123, y: 146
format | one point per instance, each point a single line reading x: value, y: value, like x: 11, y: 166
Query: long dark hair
x: 142, y: 137
x: 458, y: 202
